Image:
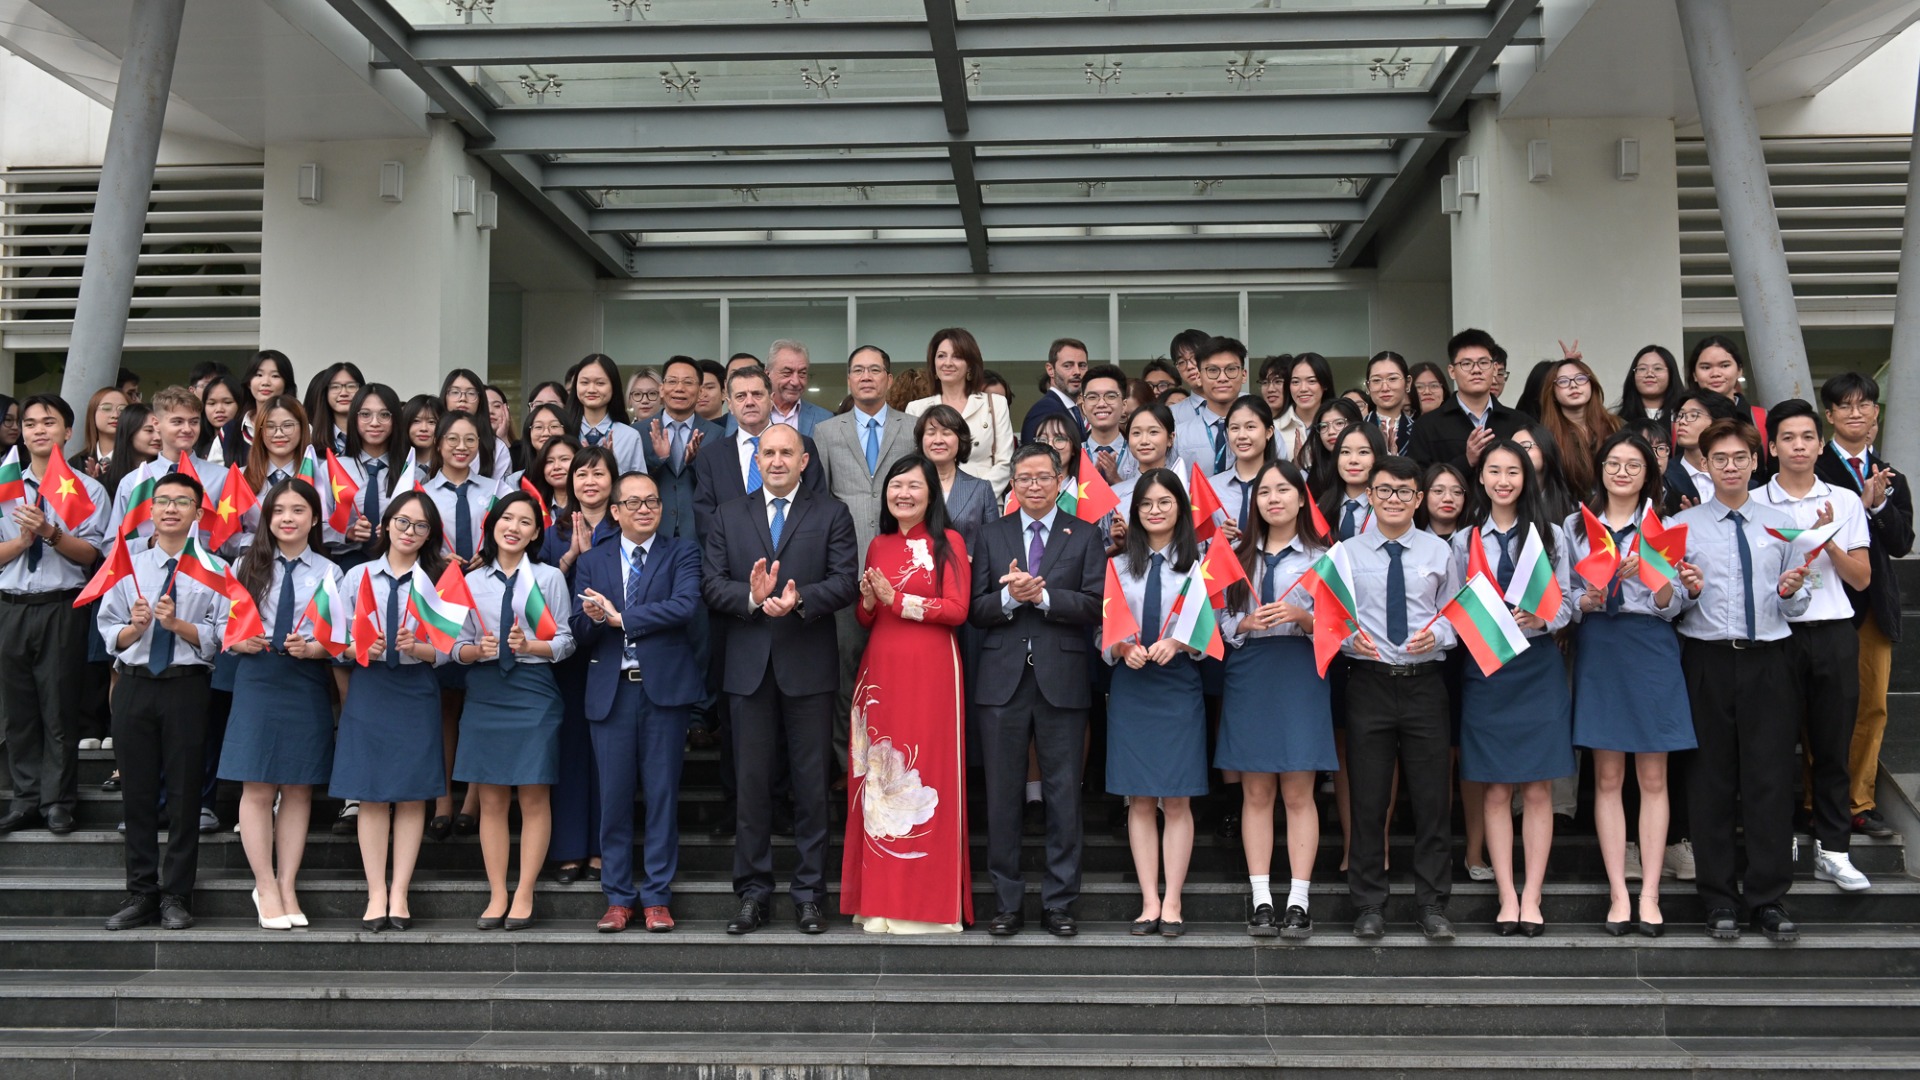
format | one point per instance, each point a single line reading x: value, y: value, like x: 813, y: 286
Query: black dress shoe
x: 1057, y: 922
x: 1006, y: 923
x: 489, y: 922
x: 808, y: 918
x: 174, y: 914
x: 399, y: 922
x: 374, y: 926
x: 566, y: 875
x: 1296, y: 925
x: 1263, y: 923
x: 517, y: 924
x: 1651, y: 929
x: 465, y: 825
x: 1174, y: 928
x: 60, y: 821
x: 1773, y: 921
x: 1506, y: 927
x: 1144, y: 927
x: 111, y: 783
x: 1532, y: 929
x: 140, y: 909
x: 1722, y: 926
x: 1620, y: 929
x: 440, y: 828
x: 1229, y: 826
x: 1370, y: 924
x: 752, y: 916
x: 590, y: 872
x: 1434, y: 923
x: 18, y: 819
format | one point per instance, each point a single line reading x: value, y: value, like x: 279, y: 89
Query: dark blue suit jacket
x: 660, y: 625
x: 717, y: 478
x: 1048, y: 405
x: 676, y: 488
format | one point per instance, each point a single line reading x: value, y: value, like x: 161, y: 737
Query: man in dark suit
x: 1066, y: 367
x: 673, y: 440
x: 1687, y: 481
x: 1460, y: 430
x: 726, y: 470
x: 1037, y: 584
x: 779, y: 563
x: 639, y: 599
x: 1852, y: 403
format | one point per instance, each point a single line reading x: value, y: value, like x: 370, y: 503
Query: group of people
x: 1231, y: 589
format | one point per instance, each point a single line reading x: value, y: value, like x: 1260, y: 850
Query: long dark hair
x: 1186, y: 549
x: 281, y: 364
x: 447, y: 420
x: 1070, y: 458
x: 1630, y: 407
x: 259, y: 460
x: 1554, y: 495
x: 489, y: 547
x: 125, y: 458
x: 1320, y: 463
x: 536, y: 473
x: 1425, y: 367
x: 1529, y: 510
x: 411, y: 411
x: 1423, y: 518
x: 1239, y: 596
x: 616, y: 402
x: 256, y: 566
x: 1652, y: 484
x: 320, y: 413
x: 233, y: 433
x: 1322, y: 373
x: 483, y: 464
x: 1333, y: 491
x: 936, y: 520
x: 1262, y: 412
x: 432, y: 557
x: 397, y: 442
x: 569, y: 425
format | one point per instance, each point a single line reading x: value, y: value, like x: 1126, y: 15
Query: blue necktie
x: 1504, y: 571
x: 1746, y: 566
x: 1080, y: 418
x: 679, y: 444
x: 753, y: 465
x: 1036, y: 548
x: 34, y: 549
x: 1246, y: 504
x: 633, y: 592
x: 506, y: 617
x: 276, y: 476
x: 283, y: 614
x: 592, y: 437
x: 392, y: 623
x: 160, y: 646
x: 1396, y: 594
x: 1350, y: 520
x: 1219, y: 445
x: 462, y: 521
x: 1267, y: 583
x: 1150, y: 602
x: 779, y: 521
x: 370, y: 498
x: 1614, y: 591
x: 873, y: 447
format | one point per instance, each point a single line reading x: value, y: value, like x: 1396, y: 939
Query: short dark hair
x: 1397, y: 467
x: 127, y: 375
x: 1788, y: 410
x: 714, y: 368
x: 947, y: 417
x: 52, y: 401
x: 754, y: 372
x: 1388, y: 356
x: 1162, y: 365
x: 886, y: 362
x: 185, y: 480
x: 1214, y: 346
x: 1835, y: 391
x: 741, y: 356
x: 1188, y: 339
x: 1474, y: 338
x: 676, y: 361
x: 1053, y: 350
x: 1730, y: 429
x: 1105, y: 371
x: 1032, y: 450
x: 1718, y: 406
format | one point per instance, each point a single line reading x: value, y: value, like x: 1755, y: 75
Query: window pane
x: 1148, y: 323
x: 646, y: 332
x: 1333, y: 324
x: 820, y: 325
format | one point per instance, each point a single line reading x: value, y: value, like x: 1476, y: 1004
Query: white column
x: 1903, y: 389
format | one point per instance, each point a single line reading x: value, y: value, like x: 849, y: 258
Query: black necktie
x: 1150, y: 602
x: 1746, y: 567
x: 160, y: 646
x: 283, y: 610
x: 1246, y: 504
x: 1268, y: 585
x: 592, y: 438
x: 370, y: 499
x: 1396, y: 594
x: 1350, y: 520
x: 462, y: 521
x: 34, y: 549
x: 392, y: 624
x: 506, y: 617
x: 1614, y: 589
x: 1504, y: 571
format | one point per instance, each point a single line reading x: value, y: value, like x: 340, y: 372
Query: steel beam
x: 1461, y: 77
x: 1196, y: 163
x: 1052, y: 213
x: 942, y: 33
x: 1131, y: 254
x: 1387, y: 197
x: 750, y: 170
x: 391, y: 36
x: 966, y: 186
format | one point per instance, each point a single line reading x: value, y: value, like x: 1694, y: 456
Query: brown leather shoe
x: 615, y: 920
x: 659, y: 920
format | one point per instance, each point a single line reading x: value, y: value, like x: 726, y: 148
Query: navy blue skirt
x: 226, y: 665
x: 1157, y: 731
x: 1517, y: 726
x: 281, y: 728
x: 96, y: 644
x: 1629, y: 692
x: 510, y: 726
x: 390, y: 750
x: 1276, y: 712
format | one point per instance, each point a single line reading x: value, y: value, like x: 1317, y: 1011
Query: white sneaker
x: 1838, y: 868
x: 1633, y: 861
x: 1679, y: 862
x: 88, y: 744
x: 106, y: 743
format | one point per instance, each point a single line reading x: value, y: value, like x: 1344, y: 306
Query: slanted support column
x: 1778, y: 353
x: 126, y: 183
x: 1902, y: 436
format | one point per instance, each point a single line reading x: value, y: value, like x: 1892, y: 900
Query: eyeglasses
x: 1392, y: 494
x: 1109, y: 397
x: 344, y: 388
x: 644, y: 395
x: 1055, y: 440
x: 468, y: 443
x: 172, y: 502
x: 1271, y: 382
x: 463, y: 394
x: 1731, y: 461
x: 406, y: 525
x: 1646, y: 370
x: 285, y: 427
x: 1566, y: 381
x: 1856, y: 407
x: 370, y: 414
x: 1386, y: 380
x: 634, y: 506
x: 1474, y: 365
x: 1330, y: 427
x: 1212, y: 371
x: 1626, y: 468
x: 1035, y: 480
x: 1690, y: 416
x: 1526, y: 444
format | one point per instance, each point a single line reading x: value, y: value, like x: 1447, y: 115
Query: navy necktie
x: 1150, y: 602
x: 779, y: 521
x: 283, y: 614
x: 1746, y: 567
x: 873, y: 447
x: 633, y: 591
x: 1504, y: 570
x: 506, y: 617
x: 392, y: 623
x: 34, y: 549
x: 370, y: 498
x: 1396, y: 593
x: 1246, y: 505
x: 276, y: 476
x: 1268, y: 586
x: 160, y: 646
x: 1219, y: 445
x: 1614, y: 590
x: 592, y: 437
x: 1350, y: 520
x: 462, y: 521
x: 753, y: 465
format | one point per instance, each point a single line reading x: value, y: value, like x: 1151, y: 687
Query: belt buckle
x: 1742, y: 644
x: 1029, y: 659
x: 630, y: 674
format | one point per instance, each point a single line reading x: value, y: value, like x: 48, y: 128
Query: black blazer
x: 819, y: 553
x: 717, y: 478
x: 1677, y: 483
x: 1048, y: 405
x: 1075, y: 568
x: 1441, y: 435
x: 1890, y: 532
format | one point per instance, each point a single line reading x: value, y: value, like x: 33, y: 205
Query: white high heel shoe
x: 278, y: 922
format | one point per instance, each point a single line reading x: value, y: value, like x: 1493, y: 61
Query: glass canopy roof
x: 971, y: 136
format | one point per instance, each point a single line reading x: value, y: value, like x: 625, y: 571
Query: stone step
x: 214, y: 1054
x: 1145, y: 1003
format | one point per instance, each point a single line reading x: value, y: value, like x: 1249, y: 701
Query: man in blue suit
x: 635, y: 623
x: 673, y: 439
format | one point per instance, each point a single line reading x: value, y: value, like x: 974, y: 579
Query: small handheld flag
x: 539, y: 616
x: 1206, y: 506
x: 344, y: 493
x: 1480, y: 616
x: 1192, y: 621
x: 13, y: 480
x: 364, y: 630
x: 1534, y: 587
x: 1117, y: 623
x: 1603, y: 555
x: 440, y: 614
x: 1092, y: 498
x: 1328, y: 582
x: 236, y: 498
x: 323, y: 611
x: 243, y: 615
x: 63, y: 492
x: 1221, y: 568
x: 118, y: 564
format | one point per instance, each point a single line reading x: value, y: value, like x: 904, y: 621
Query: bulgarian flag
x: 539, y: 616
x: 1328, y: 582
x: 1192, y: 622
x: 236, y: 498
x: 118, y: 564
x: 1479, y: 615
x: 441, y: 617
x: 1659, y: 548
x: 198, y: 564
x: 1603, y: 555
x: 364, y: 631
x: 310, y: 470
x: 345, y: 494
x: 185, y: 468
x: 1206, y: 505
x: 62, y: 491
x: 1534, y: 588
x: 13, y: 480
x: 1220, y: 569
x: 140, y: 501
x: 324, y: 611
x: 1810, y: 541
x: 411, y: 470
x: 1117, y: 623
x: 1089, y: 497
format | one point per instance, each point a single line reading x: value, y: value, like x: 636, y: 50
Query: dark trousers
x: 160, y: 729
x: 1826, y: 661
x: 43, y: 663
x: 643, y: 744
x: 758, y: 720
x: 1745, y: 723
x: 1400, y: 718
x: 1057, y: 735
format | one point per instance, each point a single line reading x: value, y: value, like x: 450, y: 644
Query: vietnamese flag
x: 539, y: 616
x: 1205, y: 505
x: 1220, y: 569
x: 346, y: 493
x: 1603, y: 558
x: 243, y: 615
x: 118, y: 564
x: 1117, y: 623
x: 546, y: 512
x: 63, y: 492
x: 222, y: 521
x: 1477, y: 557
x: 1320, y: 521
x: 208, y: 511
x: 1093, y: 497
x: 363, y: 629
